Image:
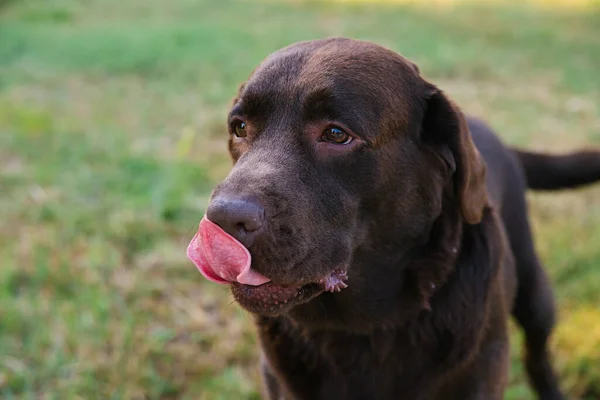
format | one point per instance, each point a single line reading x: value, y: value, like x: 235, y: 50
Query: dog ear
x: 445, y: 129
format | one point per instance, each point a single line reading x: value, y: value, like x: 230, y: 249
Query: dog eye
x: 239, y: 129
x: 337, y: 136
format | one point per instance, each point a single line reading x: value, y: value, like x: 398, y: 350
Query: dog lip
x: 335, y: 281
x: 271, y: 298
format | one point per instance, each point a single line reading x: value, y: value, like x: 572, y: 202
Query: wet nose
x: 241, y: 217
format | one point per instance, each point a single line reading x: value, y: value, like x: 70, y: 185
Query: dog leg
x: 534, y: 305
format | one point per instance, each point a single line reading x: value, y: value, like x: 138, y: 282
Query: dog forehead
x: 375, y: 91
x: 352, y: 58
x: 358, y: 66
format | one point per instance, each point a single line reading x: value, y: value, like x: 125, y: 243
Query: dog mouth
x: 222, y: 259
x: 272, y: 299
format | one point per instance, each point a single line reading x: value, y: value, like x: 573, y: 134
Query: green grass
x: 111, y: 137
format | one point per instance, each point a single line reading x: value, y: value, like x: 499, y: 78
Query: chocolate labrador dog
x: 379, y: 237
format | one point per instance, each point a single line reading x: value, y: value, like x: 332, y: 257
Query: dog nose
x: 242, y: 218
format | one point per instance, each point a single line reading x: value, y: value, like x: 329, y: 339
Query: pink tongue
x: 220, y: 257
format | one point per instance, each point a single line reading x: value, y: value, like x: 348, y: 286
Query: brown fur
x: 438, y: 252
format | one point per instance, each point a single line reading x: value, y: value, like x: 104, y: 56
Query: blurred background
x: 112, y: 133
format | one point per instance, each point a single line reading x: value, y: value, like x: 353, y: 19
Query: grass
x: 111, y: 137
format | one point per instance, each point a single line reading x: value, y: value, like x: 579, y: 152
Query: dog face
x: 344, y: 158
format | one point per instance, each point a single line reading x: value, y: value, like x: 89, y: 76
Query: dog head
x: 344, y: 159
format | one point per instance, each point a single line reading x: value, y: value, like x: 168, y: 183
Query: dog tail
x: 565, y: 171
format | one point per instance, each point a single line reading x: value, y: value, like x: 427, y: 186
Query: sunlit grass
x: 551, y: 4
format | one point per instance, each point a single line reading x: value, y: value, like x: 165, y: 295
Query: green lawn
x: 112, y: 135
